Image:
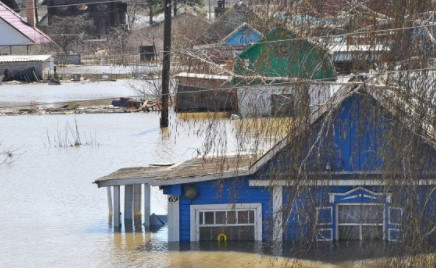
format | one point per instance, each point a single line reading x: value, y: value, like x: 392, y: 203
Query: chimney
x: 30, y: 12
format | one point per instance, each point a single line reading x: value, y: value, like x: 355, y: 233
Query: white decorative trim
x: 389, y: 215
x: 277, y: 213
x: 325, y: 239
x: 389, y: 234
x: 195, y: 209
x: 317, y: 216
x: 332, y: 195
x: 269, y: 183
x: 173, y: 219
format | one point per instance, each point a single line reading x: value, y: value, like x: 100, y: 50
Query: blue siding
x: 245, y: 35
x: 357, y: 139
x: 225, y: 192
x: 355, y: 142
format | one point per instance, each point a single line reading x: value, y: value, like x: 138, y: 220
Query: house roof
x: 271, y: 36
x: 203, y: 76
x: 223, y: 41
x: 194, y: 170
x: 383, y: 94
x: 228, y: 22
x: 24, y: 58
x: 201, y: 169
x: 35, y: 35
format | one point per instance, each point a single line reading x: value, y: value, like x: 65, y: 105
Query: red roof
x: 13, y: 19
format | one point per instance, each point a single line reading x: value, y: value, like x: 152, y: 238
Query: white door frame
x: 195, y: 209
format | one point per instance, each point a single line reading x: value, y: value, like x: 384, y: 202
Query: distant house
x: 281, y: 100
x: 149, y: 40
x: 232, y: 44
x: 204, y: 93
x: 18, y: 36
x: 231, y: 33
x: 356, y: 58
x: 280, y: 55
x: 233, y: 18
x: 105, y: 14
x: 347, y: 175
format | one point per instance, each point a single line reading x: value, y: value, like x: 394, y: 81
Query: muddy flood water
x: 52, y: 215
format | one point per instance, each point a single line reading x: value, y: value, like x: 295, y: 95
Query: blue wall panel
x: 225, y: 192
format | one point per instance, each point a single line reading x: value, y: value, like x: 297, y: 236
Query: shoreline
x: 98, y: 106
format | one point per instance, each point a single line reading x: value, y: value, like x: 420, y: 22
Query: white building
x: 18, y: 36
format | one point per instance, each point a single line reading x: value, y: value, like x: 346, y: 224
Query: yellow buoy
x: 221, y: 237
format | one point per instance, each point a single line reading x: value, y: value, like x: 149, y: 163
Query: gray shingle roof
x: 197, y: 169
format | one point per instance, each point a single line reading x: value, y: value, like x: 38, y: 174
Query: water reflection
x: 150, y: 249
x: 54, y: 216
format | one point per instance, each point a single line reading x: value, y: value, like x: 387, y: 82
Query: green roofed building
x: 280, y: 55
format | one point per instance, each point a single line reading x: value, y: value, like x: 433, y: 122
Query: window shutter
x: 395, y: 216
x: 324, y: 223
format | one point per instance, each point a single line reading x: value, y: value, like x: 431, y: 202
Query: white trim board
x: 173, y: 219
x: 289, y: 183
x: 277, y: 213
x: 195, y: 209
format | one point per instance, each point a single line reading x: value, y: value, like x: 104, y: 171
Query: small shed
x: 281, y: 54
x: 204, y: 93
x: 356, y: 58
x: 26, y: 67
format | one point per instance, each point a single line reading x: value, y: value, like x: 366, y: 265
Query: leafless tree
x: 402, y: 81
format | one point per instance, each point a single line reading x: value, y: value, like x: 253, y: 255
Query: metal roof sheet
x: 204, y: 76
x: 25, y: 58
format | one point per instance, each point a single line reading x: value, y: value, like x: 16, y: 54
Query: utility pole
x: 166, y: 64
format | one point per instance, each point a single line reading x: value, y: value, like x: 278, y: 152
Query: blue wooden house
x: 359, y: 169
x: 241, y: 37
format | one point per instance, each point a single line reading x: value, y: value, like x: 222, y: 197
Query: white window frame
x: 195, y: 209
x: 389, y: 216
x: 389, y: 234
x: 331, y: 216
x: 367, y: 224
x: 324, y: 239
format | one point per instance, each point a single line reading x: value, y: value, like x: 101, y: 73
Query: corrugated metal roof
x: 204, y: 76
x: 13, y: 19
x: 25, y: 58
